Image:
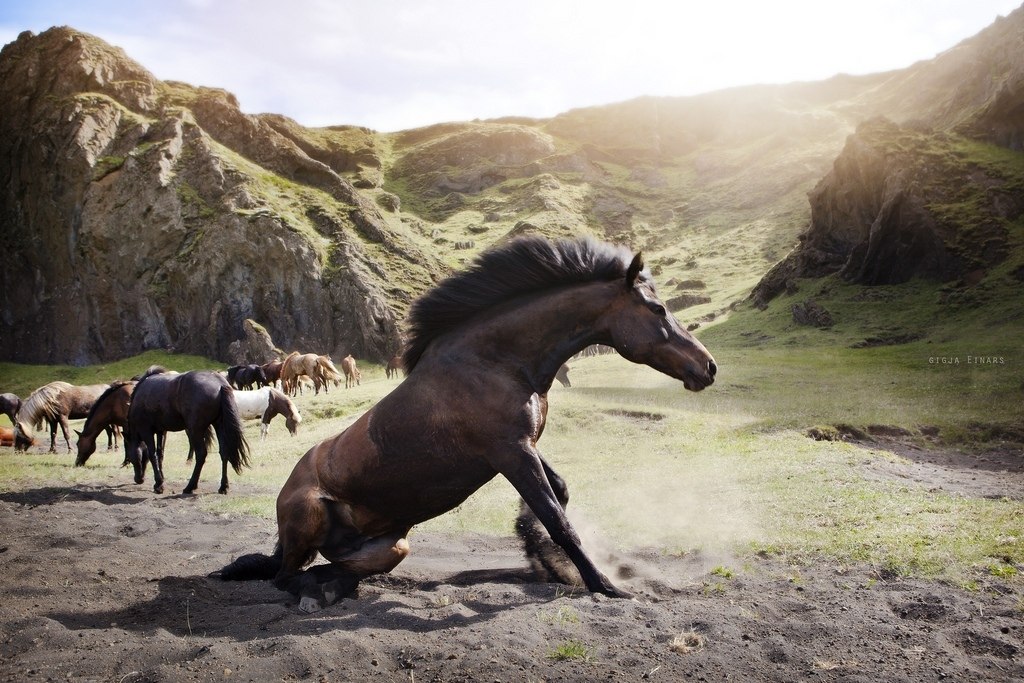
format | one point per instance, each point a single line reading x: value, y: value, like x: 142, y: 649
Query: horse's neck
x: 535, y: 336
x: 276, y: 404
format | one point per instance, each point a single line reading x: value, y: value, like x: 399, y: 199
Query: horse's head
x: 86, y: 447
x: 292, y: 418
x: 23, y: 437
x: 644, y: 331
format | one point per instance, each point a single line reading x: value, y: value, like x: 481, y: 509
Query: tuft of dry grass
x: 688, y: 642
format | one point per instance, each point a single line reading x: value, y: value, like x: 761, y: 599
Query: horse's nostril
x: 712, y: 368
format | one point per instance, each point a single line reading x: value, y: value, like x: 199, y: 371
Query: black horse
x: 195, y: 401
x: 247, y: 377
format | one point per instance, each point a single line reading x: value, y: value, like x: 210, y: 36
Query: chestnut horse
x: 56, y: 403
x: 483, y: 349
x: 320, y: 369
x: 194, y: 401
x: 352, y: 375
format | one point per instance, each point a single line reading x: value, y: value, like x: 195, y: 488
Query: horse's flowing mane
x: 43, y: 402
x: 522, y: 266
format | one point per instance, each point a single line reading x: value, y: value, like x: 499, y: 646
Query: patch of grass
x: 723, y: 572
x: 564, y: 615
x: 106, y: 165
x: 571, y: 650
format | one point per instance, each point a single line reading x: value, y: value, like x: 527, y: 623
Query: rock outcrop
x: 902, y: 203
x: 138, y: 214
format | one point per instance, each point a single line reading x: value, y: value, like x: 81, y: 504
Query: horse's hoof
x: 138, y: 480
x: 188, y: 492
x: 223, y: 491
x: 158, y: 489
x: 310, y: 605
x: 613, y: 592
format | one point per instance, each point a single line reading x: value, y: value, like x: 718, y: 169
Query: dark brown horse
x: 56, y: 403
x: 10, y: 404
x: 394, y: 367
x: 110, y: 408
x: 272, y: 371
x: 195, y: 402
x: 483, y: 350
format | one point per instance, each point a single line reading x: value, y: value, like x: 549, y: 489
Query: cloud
x: 402, y: 63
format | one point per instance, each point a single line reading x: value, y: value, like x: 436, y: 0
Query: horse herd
x: 201, y: 403
x: 482, y: 350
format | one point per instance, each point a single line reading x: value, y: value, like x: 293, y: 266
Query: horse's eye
x: 658, y: 309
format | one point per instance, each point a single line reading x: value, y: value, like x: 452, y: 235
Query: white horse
x: 265, y: 403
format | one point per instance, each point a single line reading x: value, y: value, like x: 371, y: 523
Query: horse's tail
x: 232, y: 441
x: 252, y: 567
x: 327, y: 368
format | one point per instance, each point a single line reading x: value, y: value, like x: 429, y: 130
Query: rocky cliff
x: 139, y: 214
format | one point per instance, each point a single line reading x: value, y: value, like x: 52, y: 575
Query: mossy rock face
x: 902, y: 203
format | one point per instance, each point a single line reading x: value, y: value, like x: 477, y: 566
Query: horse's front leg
x: 526, y: 471
x: 198, y: 446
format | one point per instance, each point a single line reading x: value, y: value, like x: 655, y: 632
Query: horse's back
x: 252, y: 403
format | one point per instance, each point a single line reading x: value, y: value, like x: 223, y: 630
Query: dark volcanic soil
x: 107, y: 582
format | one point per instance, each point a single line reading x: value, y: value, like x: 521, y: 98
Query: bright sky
x: 398, y: 64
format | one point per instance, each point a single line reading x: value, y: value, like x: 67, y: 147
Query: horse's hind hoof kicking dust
x: 483, y: 348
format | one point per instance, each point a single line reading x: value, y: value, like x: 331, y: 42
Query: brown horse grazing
x: 10, y: 404
x: 483, y: 350
x: 352, y: 375
x: 272, y: 371
x: 562, y: 375
x: 194, y: 401
x: 110, y: 408
x: 394, y: 367
x: 56, y: 403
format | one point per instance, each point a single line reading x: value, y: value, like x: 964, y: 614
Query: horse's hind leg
x: 326, y: 584
x: 154, y: 458
x: 64, y: 430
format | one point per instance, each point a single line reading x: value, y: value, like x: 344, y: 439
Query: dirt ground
x: 107, y: 582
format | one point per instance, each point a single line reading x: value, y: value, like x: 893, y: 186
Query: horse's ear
x: 634, y: 269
